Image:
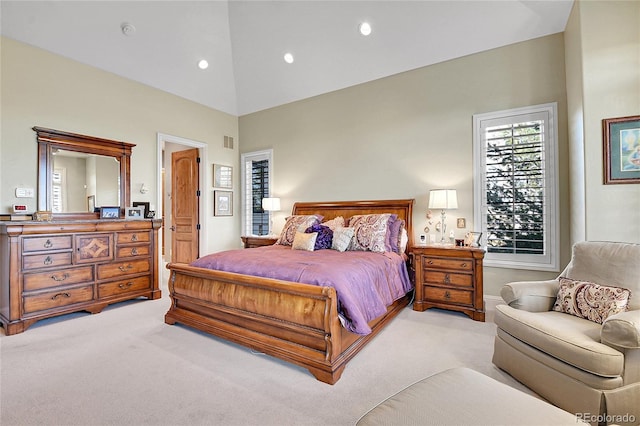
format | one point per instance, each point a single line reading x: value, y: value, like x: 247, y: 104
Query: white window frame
x: 247, y: 212
x: 549, y: 260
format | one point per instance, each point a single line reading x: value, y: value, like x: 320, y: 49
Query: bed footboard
x: 295, y: 322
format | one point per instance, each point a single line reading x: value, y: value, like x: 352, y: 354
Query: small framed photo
x: 223, y: 203
x: 462, y: 223
x: 472, y: 239
x: 150, y: 214
x: 144, y: 205
x: 91, y: 203
x: 222, y: 176
x: 621, y: 151
x: 110, y: 212
x: 134, y: 213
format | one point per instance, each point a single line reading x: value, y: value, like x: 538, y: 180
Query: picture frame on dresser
x: 145, y: 206
x: 134, y: 213
x: 110, y: 212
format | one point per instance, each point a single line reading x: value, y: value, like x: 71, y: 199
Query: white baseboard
x: 490, y: 303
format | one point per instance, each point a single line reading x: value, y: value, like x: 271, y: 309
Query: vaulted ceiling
x: 244, y: 41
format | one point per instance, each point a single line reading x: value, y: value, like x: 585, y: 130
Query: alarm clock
x: 19, y: 208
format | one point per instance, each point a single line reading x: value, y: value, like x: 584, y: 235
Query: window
x: 516, y: 188
x: 256, y: 181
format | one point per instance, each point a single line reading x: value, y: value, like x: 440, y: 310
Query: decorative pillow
x: 589, y: 300
x: 296, y: 223
x: 325, y: 236
x: 335, y: 223
x: 394, y: 234
x: 304, y: 241
x: 370, y: 232
x: 404, y: 240
x: 342, y: 238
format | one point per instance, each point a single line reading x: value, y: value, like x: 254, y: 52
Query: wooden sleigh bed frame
x: 295, y: 322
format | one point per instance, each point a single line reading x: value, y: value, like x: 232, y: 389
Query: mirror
x: 78, y: 173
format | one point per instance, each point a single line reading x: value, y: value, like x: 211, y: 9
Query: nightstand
x: 250, y: 241
x: 448, y: 277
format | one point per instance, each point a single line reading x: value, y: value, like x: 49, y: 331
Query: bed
x: 298, y: 323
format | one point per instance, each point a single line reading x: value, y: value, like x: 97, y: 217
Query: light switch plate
x: 25, y: 192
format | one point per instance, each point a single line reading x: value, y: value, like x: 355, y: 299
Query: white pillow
x: 342, y: 238
x: 304, y: 241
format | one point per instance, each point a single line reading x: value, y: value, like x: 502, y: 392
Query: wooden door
x: 184, y: 205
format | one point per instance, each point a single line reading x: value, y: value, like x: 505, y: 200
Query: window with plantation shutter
x: 256, y: 173
x: 515, y: 197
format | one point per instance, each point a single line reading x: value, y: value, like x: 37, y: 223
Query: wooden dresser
x: 448, y: 277
x: 54, y: 268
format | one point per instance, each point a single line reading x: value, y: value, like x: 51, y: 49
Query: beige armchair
x: 586, y: 368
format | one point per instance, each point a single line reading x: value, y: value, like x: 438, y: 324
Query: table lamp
x: 443, y: 199
x: 271, y: 204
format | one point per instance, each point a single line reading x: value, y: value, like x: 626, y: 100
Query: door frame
x: 204, y: 194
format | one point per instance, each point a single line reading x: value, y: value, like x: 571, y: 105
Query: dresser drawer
x: 124, y: 286
x: 93, y: 248
x: 448, y: 278
x: 60, y: 242
x: 37, y: 261
x: 56, y: 299
x: 440, y: 263
x: 446, y: 295
x: 119, y: 269
x: 133, y: 251
x: 41, y: 280
x: 133, y: 237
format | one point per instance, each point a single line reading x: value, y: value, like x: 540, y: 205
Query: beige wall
x: 401, y: 136
x: 605, y: 57
x: 42, y: 89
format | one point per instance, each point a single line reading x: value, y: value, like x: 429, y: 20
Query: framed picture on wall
x: 621, y: 137
x: 223, y: 203
x: 222, y: 176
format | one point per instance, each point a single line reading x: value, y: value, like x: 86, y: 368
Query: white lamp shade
x: 271, y: 204
x: 443, y: 199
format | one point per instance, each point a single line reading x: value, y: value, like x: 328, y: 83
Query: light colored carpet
x: 125, y: 366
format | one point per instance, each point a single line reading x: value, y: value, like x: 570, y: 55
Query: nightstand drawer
x: 455, y: 264
x: 448, y: 278
x: 446, y: 295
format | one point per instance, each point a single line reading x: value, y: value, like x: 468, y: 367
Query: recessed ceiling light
x: 365, y: 28
x: 288, y: 58
x: 127, y: 29
x: 203, y: 64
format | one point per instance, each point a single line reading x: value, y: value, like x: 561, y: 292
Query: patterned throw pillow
x: 342, y: 239
x: 296, y: 223
x: 304, y: 241
x: 370, y: 232
x: 325, y: 236
x: 589, y: 300
x: 334, y: 223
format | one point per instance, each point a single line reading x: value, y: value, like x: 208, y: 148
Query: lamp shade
x: 443, y: 199
x: 271, y: 204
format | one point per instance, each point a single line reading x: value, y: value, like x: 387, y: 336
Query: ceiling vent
x: 228, y: 142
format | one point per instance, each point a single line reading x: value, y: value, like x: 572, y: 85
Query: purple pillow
x: 324, y: 238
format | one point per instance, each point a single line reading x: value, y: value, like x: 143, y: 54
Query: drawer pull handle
x: 134, y: 251
x: 463, y: 265
x: 446, y: 279
x: 64, y: 277
x: 48, y: 260
x: 125, y: 286
x: 60, y: 295
x: 134, y: 237
x: 429, y: 262
x: 125, y: 268
x: 447, y: 295
x: 48, y: 244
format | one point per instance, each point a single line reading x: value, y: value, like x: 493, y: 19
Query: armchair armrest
x: 622, y: 330
x: 532, y: 296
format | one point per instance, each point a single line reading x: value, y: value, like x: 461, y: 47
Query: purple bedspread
x: 366, y: 283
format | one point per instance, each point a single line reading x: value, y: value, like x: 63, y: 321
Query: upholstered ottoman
x: 461, y: 396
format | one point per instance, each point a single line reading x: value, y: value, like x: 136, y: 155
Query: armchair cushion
x: 590, y: 301
x: 570, y: 339
x: 622, y: 330
x: 532, y: 296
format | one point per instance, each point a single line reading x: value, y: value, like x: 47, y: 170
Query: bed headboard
x: 346, y: 209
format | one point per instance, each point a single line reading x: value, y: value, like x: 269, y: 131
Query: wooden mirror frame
x: 49, y: 139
